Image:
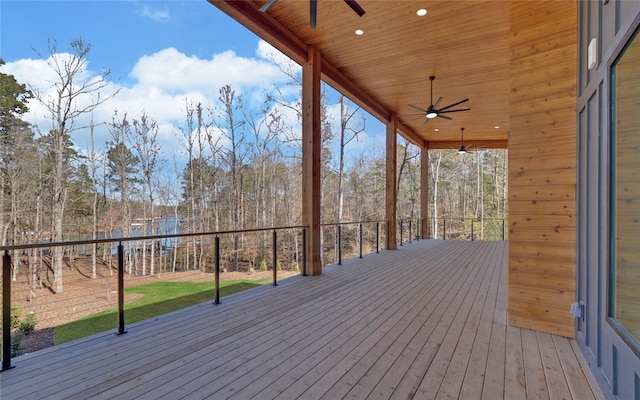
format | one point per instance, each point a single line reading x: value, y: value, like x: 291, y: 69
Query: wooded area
x: 240, y: 169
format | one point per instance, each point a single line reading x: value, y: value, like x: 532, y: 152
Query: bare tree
x: 145, y: 142
x: 169, y: 194
x: 235, y: 154
x: 196, y: 139
x: 122, y: 165
x: 71, y: 100
x: 435, y: 159
x: 95, y: 161
x: 348, y: 132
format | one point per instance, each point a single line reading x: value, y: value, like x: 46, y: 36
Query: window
x: 624, y: 282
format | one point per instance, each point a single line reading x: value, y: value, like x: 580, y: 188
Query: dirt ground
x: 84, y: 295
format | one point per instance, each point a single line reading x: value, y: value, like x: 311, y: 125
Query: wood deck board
x: 377, y: 361
x: 450, y: 336
x: 425, y: 321
x: 476, y: 372
x: 349, y: 380
x: 461, y: 367
x: 493, y: 384
x: 314, y: 383
x: 536, y: 385
x: 336, y: 344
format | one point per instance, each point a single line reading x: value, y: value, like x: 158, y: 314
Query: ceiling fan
x: 313, y: 8
x: 462, y: 149
x: 467, y: 149
x: 434, y: 112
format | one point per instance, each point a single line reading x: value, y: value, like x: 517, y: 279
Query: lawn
x: 157, y: 299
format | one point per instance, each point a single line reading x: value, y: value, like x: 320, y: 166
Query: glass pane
x: 625, y: 289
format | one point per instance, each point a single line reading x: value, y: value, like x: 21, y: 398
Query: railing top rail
x: 471, y: 218
x: 351, y: 222
x: 132, y: 239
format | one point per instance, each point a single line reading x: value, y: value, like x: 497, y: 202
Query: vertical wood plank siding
x: 542, y: 166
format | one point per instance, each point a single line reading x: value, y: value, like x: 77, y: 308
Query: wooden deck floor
x: 425, y: 322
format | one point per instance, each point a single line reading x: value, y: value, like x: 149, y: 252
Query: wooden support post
x: 311, y: 151
x: 390, y: 189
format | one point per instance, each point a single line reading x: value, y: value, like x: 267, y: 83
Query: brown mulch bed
x: 84, y: 296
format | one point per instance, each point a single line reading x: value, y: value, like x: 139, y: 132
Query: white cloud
x: 155, y: 14
x: 267, y: 52
x: 162, y: 83
x: 170, y: 70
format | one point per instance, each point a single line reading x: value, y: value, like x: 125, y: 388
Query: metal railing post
x: 472, y: 229
x: 503, y: 229
x: 410, y: 230
x: 304, y: 251
x: 275, y: 258
x: 360, y: 226
x: 121, y: 329
x: 387, y: 226
x: 401, y: 232
x: 217, y: 273
x: 444, y: 229
x: 339, y: 249
x: 377, y: 237
x: 6, y: 312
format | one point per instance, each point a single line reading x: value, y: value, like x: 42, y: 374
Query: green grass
x: 157, y: 299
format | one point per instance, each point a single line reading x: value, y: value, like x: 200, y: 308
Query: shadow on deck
x: 426, y: 321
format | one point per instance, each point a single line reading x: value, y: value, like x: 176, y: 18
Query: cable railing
x: 348, y: 240
x: 30, y: 267
x: 457, y: 228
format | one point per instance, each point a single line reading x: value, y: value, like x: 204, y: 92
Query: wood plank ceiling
x: 464, y: 44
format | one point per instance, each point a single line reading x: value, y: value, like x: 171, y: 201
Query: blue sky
x: 159, y: 53
x: 121, y: 31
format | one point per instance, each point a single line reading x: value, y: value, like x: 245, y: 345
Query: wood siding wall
x: 542, y: 166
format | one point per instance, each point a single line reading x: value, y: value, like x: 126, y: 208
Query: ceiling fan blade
x: 414, y: 118
x: 453, y: 105
x: 266, y: 6
x: 424, y: 110
x: 458, y: 110
x: 355, y: 7
x: 313, y: 11
x: 437, y: 102
x: 444, y: 116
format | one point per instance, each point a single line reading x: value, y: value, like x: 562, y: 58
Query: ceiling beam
x: 411, y: 136
x: 335, y: 78
x: 262, y: 24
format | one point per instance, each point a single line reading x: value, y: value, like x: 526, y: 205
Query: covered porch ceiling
x: 464, y: 44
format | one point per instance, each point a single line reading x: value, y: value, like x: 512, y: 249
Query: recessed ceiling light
x: 436, y: 130
x: 359, y: 32
x: 497, y: 127
x: 422, y: 12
